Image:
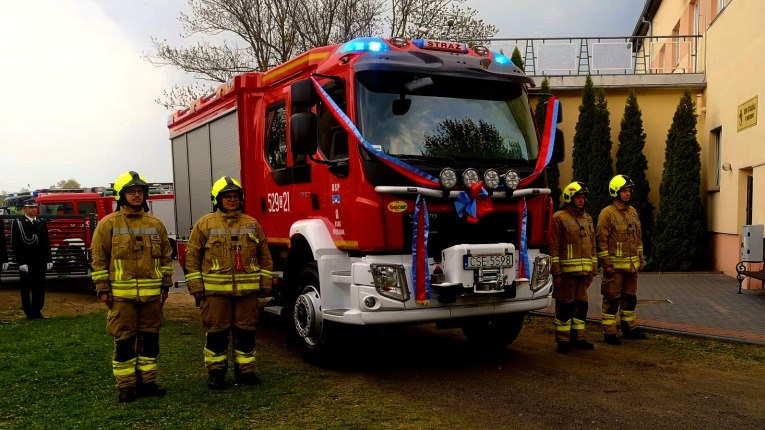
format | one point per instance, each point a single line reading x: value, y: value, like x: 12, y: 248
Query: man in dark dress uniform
x: 31, y: 247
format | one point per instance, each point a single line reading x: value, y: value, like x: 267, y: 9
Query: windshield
x: 447, y: 117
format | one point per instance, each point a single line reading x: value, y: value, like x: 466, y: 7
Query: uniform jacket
x: 30, y: 241
x: 131, y: 254
x: 620, y: 238
x: 572, y: 246
x: 211, y: 255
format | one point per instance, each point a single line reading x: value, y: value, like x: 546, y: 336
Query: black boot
x: 563, y: 347
x: 631, y: 334
x: 217, y: 380
x: 612, y: 339
x: 249, y: 378
x: 577, y: 343
x: 127, y: 395
x: 582, y: 344
x: 151, y: 390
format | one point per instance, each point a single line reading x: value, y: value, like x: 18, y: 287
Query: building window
x: 721, y: 5
x: 716, y: 155
x: 276, y: 136
x: 697, y: 18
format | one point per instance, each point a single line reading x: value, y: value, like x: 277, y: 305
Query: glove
x: 48, y: 266
x: 5, y: 267
x: 557, y: 280
x: 163, y: 299
x: 24, y: 268
x: 107, y: 299
x: 608, y: 272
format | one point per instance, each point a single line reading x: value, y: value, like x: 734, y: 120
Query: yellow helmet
x: 224, y: 185
x: 573, y: 189
x: 618, y: 183
x: 127, y: 180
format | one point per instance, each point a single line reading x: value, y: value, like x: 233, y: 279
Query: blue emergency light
x: 501, y: 59
x: 364, y: 44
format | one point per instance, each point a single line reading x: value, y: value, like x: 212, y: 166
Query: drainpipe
x: 650, y: 37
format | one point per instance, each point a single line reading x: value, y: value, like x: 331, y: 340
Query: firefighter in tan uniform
x: 574, y: 265
x: 228, y: 264
x: 620, y: 253
x: 132, y: 271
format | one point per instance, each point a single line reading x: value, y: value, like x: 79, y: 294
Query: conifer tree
x: 553, y: 172
x: 600, y: 162
x: 680, y: 229
x: 517, y: 59
x: 582, y: 133
x: 631, y: 161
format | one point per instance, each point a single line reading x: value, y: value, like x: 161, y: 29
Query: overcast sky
x: 78, y: 101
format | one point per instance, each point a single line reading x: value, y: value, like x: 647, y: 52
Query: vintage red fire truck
x: 397, y: 182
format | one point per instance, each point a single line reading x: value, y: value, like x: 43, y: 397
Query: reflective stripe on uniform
x: 211, y: 357
x: 147, y: 364
x: 577, y: 324
x: 134, y: 231
x: 192, y: 276
x: 266, y: 273
x: 124, y: 368
x: 167, y: 270
x: 100, y: 275
x: 231, y: 232
x: 241, y: 357
x: 608, y: 319
x: 562, y: 325
x: 627, y: 316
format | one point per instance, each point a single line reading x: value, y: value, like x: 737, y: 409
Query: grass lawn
x: 56, y: 373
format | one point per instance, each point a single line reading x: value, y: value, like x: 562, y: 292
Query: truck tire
x: 314, y: 335
x: 495, y: 332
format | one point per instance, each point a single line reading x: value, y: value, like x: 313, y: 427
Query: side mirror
x: 303, y: 94
x: 559, y: 148
x: 303, y: 133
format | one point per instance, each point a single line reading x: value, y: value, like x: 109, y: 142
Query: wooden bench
x: 742, y: 273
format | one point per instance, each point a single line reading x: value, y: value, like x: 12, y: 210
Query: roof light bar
x: 364, y: 44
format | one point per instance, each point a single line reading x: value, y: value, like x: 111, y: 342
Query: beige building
x: 712, y: 47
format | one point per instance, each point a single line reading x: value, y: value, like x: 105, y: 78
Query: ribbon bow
x: 475, y: 202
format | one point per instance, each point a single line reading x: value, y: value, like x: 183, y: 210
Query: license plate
x: 489, y: 261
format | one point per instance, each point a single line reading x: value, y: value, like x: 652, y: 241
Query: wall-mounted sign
x: 747, y: 114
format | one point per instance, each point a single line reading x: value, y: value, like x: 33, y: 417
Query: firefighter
x: 132, y: 271
x: 31, y: 248
x: 574, y: 265
x: 228, y: 263
x: 620, y: 254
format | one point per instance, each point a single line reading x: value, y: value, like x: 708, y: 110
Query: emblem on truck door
x: 397, y: 206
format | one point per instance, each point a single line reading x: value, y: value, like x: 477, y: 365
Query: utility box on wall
x: 751, y: 248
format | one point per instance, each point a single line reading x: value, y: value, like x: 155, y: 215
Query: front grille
x: 448, y: 229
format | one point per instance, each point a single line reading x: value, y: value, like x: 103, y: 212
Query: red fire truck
x: 397, y: 182
x: 72, y: 216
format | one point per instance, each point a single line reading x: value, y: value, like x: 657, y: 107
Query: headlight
x: 470, y: 177
x: 540, y: 274
x: 491, y: 179
x: 390, y: 281
x: 512, y: 179
x: 448, y: 178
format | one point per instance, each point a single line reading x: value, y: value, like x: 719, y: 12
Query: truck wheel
x: 494, y: 333
x: 313, y: 333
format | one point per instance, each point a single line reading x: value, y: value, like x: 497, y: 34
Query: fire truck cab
x: 397, y: 182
